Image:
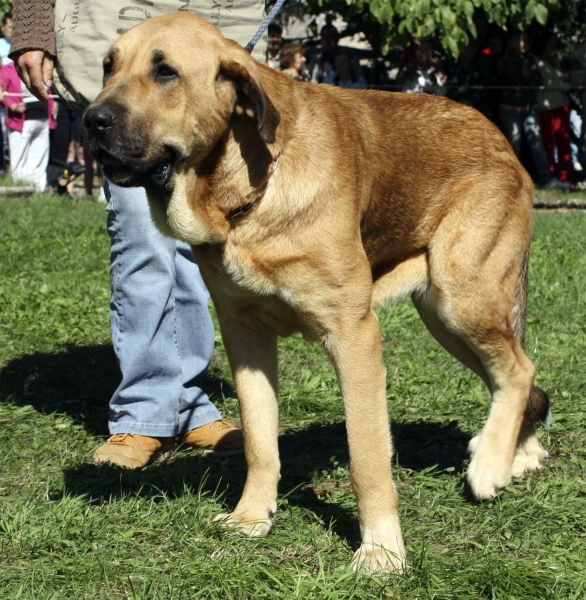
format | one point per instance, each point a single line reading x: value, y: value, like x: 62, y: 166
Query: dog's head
x: 171, y: 86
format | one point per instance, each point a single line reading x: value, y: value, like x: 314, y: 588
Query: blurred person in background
x: 469, y: 76
x: 423, y: 70
x: 519, y: 119
x: 574, y: 69
x: 275, y: 41
x: 322, y: 60
x: 28, y: 121
x: 61, y: 170
x: 553, y: 104
x: 344, y: 74
x: 293, y: 61
x: 5, y: 42
x: 6, y: 38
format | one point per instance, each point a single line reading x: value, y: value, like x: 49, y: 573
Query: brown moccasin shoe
x: 132, y: 451
x: 220, y: 438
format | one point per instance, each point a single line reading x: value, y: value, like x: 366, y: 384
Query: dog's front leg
x: 356, y: 350
x: 252, y: 352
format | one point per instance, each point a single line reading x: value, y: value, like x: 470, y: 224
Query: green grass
x: 571, y: 194
x: 70, y: 529
x: 544, y: 194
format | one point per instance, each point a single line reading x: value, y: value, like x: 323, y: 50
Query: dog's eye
x: 107, y: 69
x: 165, y: 73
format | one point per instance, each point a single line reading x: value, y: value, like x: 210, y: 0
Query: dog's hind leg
x: 470, y: 307
x: 529, y: 456
x: 454, y: 344
x: 252, y: 352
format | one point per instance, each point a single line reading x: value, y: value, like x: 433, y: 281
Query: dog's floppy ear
x: 251, y: 95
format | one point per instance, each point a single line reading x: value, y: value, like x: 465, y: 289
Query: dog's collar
x: 246, y: 208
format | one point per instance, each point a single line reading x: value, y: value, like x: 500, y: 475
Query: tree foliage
x: 569, y: 18
x: 5, y: 6
x: 388, y: 23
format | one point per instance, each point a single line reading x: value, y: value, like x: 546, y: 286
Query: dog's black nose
x: 99, y: 119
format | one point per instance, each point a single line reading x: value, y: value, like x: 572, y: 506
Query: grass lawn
x: 71, y: 529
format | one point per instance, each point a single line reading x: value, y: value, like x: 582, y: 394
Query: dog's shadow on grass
x: 314, y: 463
x: 314, y: 459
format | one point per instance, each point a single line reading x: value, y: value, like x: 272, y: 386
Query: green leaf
x: 448, y: 16
x: 453, y: 46
x: 428, y: 26
x: 406, y: 25
x: 541, y: 13
x: 386, y: 13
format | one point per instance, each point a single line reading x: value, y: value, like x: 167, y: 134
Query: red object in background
x: 555, y: 131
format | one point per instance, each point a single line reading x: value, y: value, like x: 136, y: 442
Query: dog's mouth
x: 130, y: 171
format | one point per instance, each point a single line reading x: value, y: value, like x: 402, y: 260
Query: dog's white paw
x: 370, y: 557
x: 529, y: 456
x: 247, y: 524
x: 487, y: 472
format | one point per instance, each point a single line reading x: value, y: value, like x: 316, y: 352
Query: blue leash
x: 249, y: 47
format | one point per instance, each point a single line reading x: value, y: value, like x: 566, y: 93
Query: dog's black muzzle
x: 121, y: 149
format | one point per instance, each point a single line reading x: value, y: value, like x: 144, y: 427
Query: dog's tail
x: 537, y: 408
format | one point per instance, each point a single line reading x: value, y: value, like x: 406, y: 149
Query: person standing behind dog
x: 162, y: 331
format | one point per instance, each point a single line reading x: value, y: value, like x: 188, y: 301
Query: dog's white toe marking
x: 253, y: 528
x: 370, y: 557
x: 530, y: 456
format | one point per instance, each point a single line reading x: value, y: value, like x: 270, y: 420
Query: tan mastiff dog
x: 308, y: 205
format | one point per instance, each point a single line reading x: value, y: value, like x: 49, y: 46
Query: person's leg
x: 576, y: 129
x: 2, y: 142
x: 19, y: 145
x: 88, y: 175
x: 532, y: 133
x: 562, y: 134
x: 145, y: 324
x: 195, y: 339
x: 5, y: 143
x: 58, y: 145
x: 547, y: 134
x: 38, y: 154
x: 511, y: 125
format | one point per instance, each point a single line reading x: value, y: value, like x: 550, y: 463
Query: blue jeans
x: 517, y: 124
x: 162, y: 331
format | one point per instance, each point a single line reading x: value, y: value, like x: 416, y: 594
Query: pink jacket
x: 10, y: 82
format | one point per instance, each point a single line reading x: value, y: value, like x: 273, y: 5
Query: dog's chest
x: 248, y: 269
x: 240, y: 279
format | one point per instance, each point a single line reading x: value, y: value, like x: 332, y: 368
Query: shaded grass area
x: 68, y: 528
